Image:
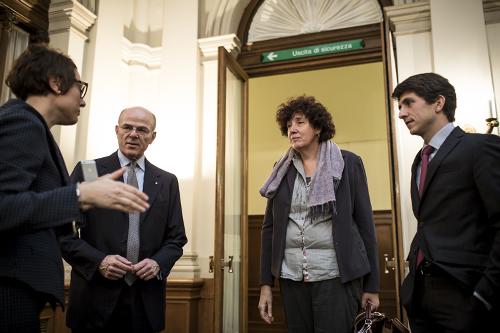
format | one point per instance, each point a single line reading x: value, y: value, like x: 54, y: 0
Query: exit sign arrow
x: 271, y: 56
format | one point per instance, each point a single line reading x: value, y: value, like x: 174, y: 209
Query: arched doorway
x: 287, y: 48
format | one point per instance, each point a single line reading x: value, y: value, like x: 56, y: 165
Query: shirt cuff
x: 479, y: 297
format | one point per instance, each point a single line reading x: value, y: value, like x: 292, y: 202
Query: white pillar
x: 68, y: 30
x: 411, y: 27
x: 179, y: 118
x: 460, y: 53
x: 162, y: 78
x: 204, y: 197
x: 69, y: 22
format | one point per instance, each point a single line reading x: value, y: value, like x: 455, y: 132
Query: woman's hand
x: 266, y: 304
x: 106, y: 192
x: 369, y: 297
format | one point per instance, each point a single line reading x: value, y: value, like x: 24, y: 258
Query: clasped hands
x: 114, y: 267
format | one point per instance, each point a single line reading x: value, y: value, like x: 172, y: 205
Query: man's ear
x: 441, y: 100
x: 153, y: 137
x: 55, y: 85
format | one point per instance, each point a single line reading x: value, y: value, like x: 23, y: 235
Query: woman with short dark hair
x: 318, y: 235
x: 38, y: 203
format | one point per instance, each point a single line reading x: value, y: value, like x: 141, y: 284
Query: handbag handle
x: 368, y: 319
x: 368, y: 310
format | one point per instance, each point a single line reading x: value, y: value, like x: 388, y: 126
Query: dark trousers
x: 20, y: 307
x: 442, y: 304
x: 129, y: 315
x: 320, y: 307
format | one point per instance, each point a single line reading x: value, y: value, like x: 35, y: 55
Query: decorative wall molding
x: 137, y: 54
x: 278, y: 19
x: 491, y: 10
x: 209, y: 46
x: 65, y: 15
x: 409, y: 18
x: 186, y: 267
x: 415, y: 17
x: 89, y: 4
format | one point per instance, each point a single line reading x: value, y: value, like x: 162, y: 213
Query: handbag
x: 376, y: 322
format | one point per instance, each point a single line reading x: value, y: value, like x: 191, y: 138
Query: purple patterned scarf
x: 324, y: 181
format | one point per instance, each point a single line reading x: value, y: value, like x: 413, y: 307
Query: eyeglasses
x: 139, y: 130
x: 83, y: 87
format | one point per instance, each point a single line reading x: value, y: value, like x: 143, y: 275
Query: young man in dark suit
x: 120, y: 261
x: 38, y: 203
x: 454, y: 279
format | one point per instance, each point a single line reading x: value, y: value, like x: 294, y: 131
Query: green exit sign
x: 312, y: 51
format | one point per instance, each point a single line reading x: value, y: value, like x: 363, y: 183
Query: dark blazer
x: 459, y: 213
x: 353, y: 227
x: 36, y: 199
x: 162, y: 236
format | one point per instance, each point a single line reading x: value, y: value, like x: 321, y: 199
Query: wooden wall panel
x: 255, y: 323
x: 184, y: 304
x: 385, y: 239
x: 206, y: 307
x: 183, y: 297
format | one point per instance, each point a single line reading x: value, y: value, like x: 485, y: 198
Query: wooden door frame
x: 376, y: 49
x: 28, y: 16
x: 226, y: 61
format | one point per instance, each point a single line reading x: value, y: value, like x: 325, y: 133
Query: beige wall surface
x: 354, y: 95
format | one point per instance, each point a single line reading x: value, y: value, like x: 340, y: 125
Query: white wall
x: 162, y: 77
x: 493, y: 31
x: 447, y: 37
x: 460, y: 53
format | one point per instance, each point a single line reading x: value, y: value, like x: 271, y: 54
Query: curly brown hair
x: 35, y: 66
x: 315, y: 112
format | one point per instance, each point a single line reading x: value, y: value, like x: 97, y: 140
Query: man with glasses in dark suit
x: 120, y: 262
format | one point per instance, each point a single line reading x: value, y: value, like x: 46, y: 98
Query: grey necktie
x: 133, y: 227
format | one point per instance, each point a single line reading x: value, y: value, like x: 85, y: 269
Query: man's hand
x: 146, y: 269
x: 372, y: 298
x: 266, y: 304
x: 114, y: 267
x: 106, y: 192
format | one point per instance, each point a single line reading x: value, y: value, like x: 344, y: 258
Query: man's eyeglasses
x: 139, y: 130
x: 83, y: 87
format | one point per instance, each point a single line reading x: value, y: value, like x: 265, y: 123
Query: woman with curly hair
x: 318, y: 235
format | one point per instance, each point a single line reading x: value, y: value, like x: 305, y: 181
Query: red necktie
x: 426, y: 152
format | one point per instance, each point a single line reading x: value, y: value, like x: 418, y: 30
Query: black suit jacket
x: 104, y: 232
x: 353, y: 231
x: 36, y: 199
x: 459, y: 213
